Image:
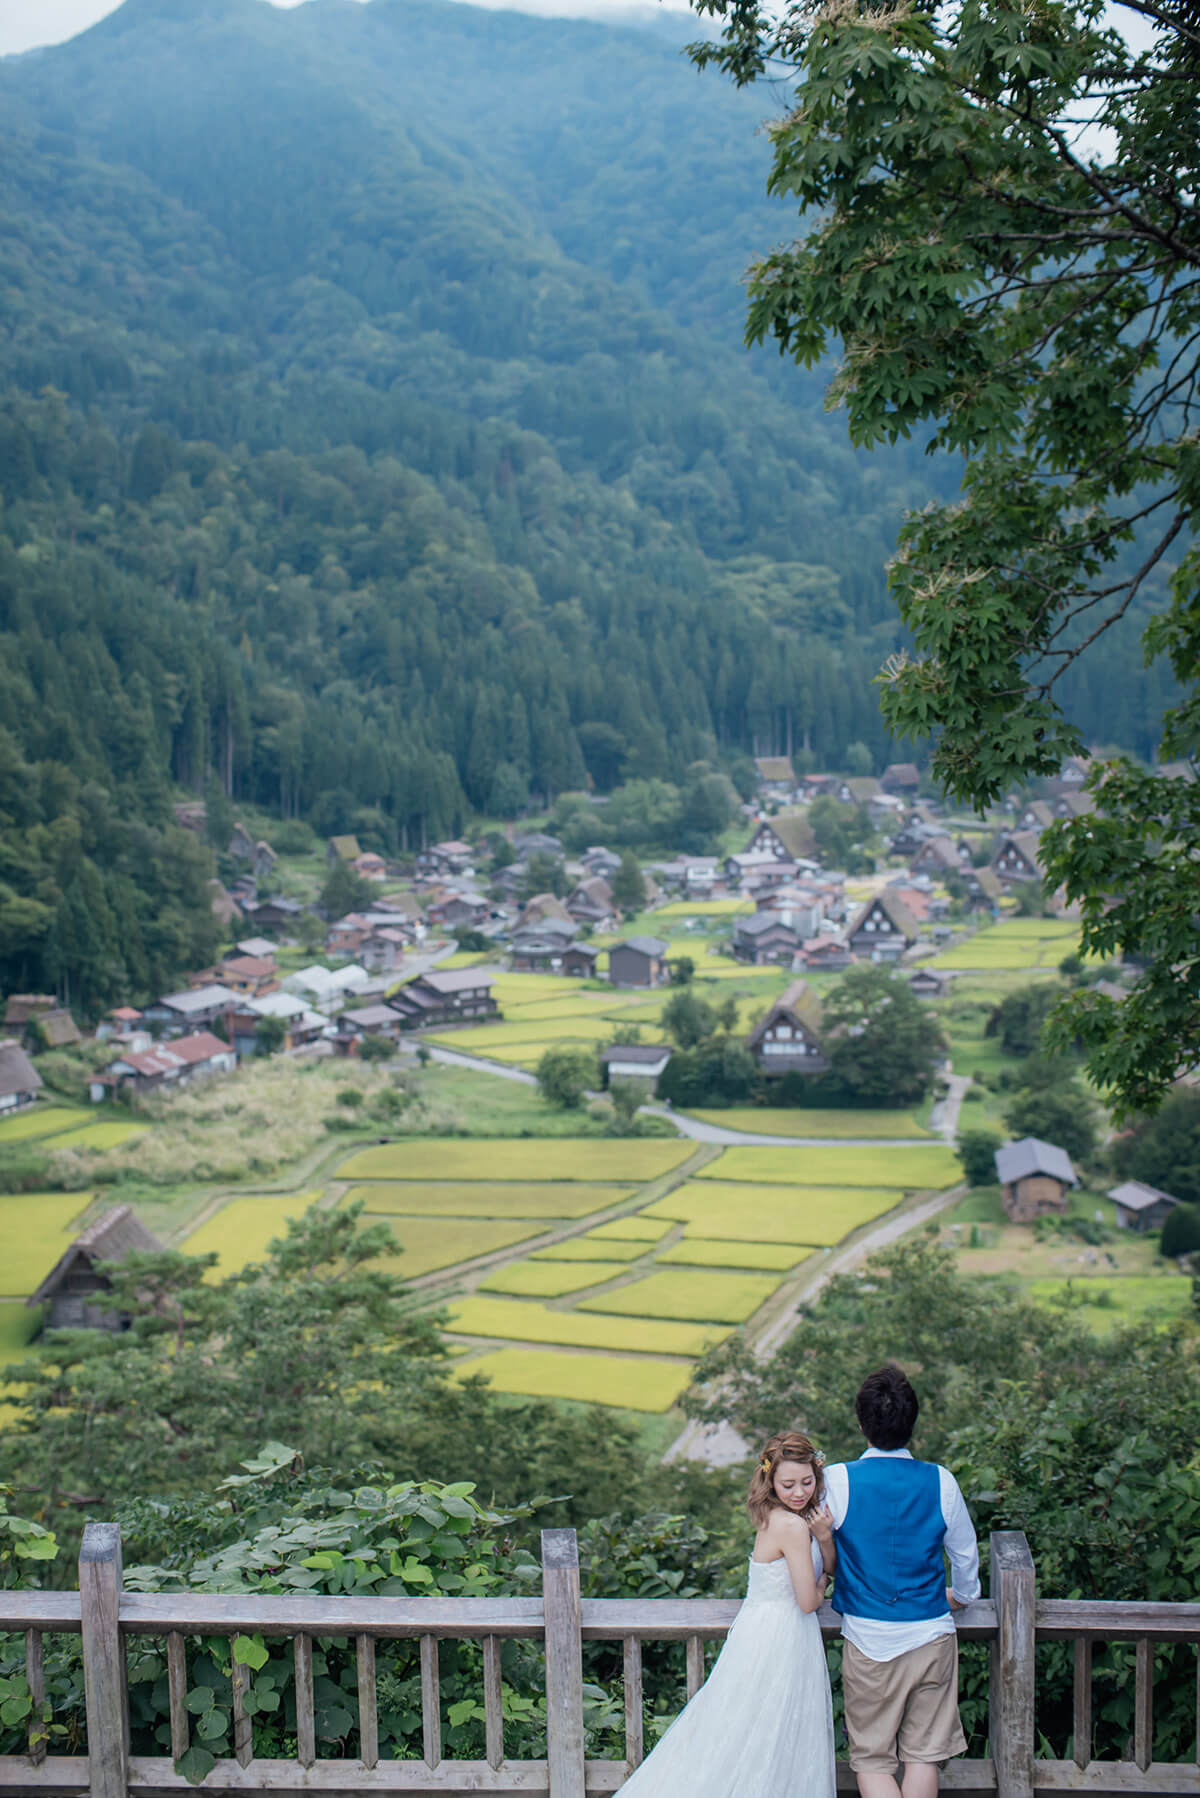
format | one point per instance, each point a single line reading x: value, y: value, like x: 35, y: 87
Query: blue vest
x: 890, y: 1565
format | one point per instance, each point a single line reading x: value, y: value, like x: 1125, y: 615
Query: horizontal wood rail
x: 1013, y: 1621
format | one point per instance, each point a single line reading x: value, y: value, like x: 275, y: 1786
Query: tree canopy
x: 1004, y: 237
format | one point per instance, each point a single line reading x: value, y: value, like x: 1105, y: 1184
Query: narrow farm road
x: 944, y: 1116
x: 702, y: 1131
x: 454, y: 1058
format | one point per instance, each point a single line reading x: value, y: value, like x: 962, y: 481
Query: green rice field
x: 427, y: 1244
x: 917, y: 1169
x: 513, y: 1321
x: 41, y: 1120
x: 485, y: 1198
x: 1107, y: 1302
x: 537, y: 1279
x: 767, y: 1120
x: 636, y: 1382
x: 705, y: 1296
x: 563, y: 1158
x: 99, y: 1136
x: 36, y: 1228
x: 1016, y: 943
x: 815, y: 1217
x: 705, y: 908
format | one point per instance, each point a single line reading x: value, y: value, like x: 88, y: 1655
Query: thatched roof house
x: 70, y: 1289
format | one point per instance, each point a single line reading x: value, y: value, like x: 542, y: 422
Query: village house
x: 197, y: 1009
x: 442, y: 859
x: 455, y: 997
x: 262, y: 861
x: 543, y: 908
x: 274, y: 914
x: 883, y: 928
x: 1035, y: 1178
x: 260, y: 946
x: 635, y: 1061
x: 984, y: 889
x: 326, y: 988
x: 241, y: 844
x: 885, y: 810
x: 174, y: 1063
x: 508, y: 882
x: 1071, y: 775
x: 857, y: 789
x: 787, y: 1040
x: 825, y: 952
x: 765, y: 940
x: 591, y: 902
x: 900, y: 777
x: 1016, y: 857
x: 776, y: 776
x: 638, y: 961
x: 813, y: 786
x: 122, y: 1022
x: 602, y: 861
x: 700, y: 875
x: 55, y: 1029
x: 1073, y: 805
x: 1035, y: 814
x: 787, y: 836
x: 579, y: 960
x: 927, y: 983
x: 937, y: 857
x: 20, y: 1008
x: 345, y: 935
x: 459, y: 910
x: 342, y: 849
x: 541, y: 948
x: 801, y: 908
x: 76, y: 1281
x: 538, y: 842
x: 225, y: 908
x: 382, y: 949
x: 247, y: 975
x: 369, y: 866
x: 20, y: 1081
x: 1141, y: 1208
x: 366, y: 1020
x: 301, y: 1024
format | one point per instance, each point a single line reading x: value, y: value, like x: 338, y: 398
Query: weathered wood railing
x: 1013, y: 1621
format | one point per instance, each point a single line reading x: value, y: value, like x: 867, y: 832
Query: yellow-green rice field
x: 589, y: 1248
x: 486, y: 1198
x: 512, y: 1320
x: 766, y: 1120
x: 921, y: 1168
x: 635, y: 1226
x: 815, y: 1217
x: 637, y: 1382
x: 562, y: 1158
x: 704, y: 1251
x: 242, y: 1230
x: 537, y: 1279
x: 36, y: 1228
x: 1016, y: 943
x: 706, y: 1296
x: 98, y: 1136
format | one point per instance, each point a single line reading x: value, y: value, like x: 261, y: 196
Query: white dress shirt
x: 880, y: 1639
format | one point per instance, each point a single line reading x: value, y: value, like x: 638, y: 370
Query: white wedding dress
x: 762, y: 1722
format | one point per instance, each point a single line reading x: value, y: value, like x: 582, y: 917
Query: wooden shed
x: 70, y: 1289
x: 1035, y: 1178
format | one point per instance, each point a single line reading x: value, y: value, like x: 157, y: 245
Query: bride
x: 764, y: 1712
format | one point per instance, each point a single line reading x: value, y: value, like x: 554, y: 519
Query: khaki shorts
x: 902, y: 1710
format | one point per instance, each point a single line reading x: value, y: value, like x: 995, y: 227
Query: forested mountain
x: 375, y: 428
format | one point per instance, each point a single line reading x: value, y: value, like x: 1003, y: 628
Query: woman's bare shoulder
x: 785, y: 1526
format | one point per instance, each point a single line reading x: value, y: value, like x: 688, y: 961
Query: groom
x: 893, y: 1516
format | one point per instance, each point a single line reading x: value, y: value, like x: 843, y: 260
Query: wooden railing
x: 1013, y: 1621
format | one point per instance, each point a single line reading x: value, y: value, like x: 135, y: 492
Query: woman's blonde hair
x: 761, y: 1499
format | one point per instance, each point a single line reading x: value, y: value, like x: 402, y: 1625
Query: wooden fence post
x: 564, y: 1663
x: 1011, y: 1725
x: 105, y: 1695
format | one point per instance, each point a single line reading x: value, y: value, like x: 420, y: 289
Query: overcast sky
x: 24, y: 24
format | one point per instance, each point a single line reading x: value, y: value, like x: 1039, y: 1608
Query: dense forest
x: 375, y: 434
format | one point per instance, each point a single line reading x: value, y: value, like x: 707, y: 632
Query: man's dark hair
x: 886, y: 1407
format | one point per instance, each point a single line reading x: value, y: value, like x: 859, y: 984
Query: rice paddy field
x: 39, y: 1121
x: 488, y: 1198
x: 99, y: 1136
x: 708, y: 1295
x: 514, y: 1321
x: 644, y: 1382
x: 916, y: 1169
x: 810, y: 1217
x: 1015, y: 943
x: 583, y: 1158
x: 550, y: 1279
x: 769, y: 1120
x: 241, y: 1231
x: 36, y: 1228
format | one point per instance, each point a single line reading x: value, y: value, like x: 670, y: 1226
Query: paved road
x: 944, y: 1116
x: 702, y: 1131
x: 455, y: 1058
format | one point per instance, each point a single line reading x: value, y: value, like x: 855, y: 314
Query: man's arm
x: 960, y: 1543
